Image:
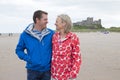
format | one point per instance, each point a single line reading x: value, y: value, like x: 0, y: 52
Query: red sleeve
x: 76, y: 57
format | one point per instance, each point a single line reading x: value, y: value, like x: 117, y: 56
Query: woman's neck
x: 62, y: 34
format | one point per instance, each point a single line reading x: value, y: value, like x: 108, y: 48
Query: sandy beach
x: 100, y: 57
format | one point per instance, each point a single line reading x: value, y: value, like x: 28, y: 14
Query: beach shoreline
x: 100, y: 57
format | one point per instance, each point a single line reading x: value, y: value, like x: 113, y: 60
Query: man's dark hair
x: 38, y: 14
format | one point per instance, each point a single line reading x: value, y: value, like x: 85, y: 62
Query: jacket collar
x: 35, y: 34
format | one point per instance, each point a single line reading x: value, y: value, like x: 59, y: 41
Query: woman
x: 66, y: 57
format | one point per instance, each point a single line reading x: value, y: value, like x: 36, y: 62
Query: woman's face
x: 59, y: 24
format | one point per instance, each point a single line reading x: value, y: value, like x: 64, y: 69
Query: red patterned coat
x: 66, y: 57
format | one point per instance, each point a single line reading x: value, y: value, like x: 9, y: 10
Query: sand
x: 100, y: 57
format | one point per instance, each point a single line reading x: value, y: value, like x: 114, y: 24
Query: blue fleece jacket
x: 37, y: 53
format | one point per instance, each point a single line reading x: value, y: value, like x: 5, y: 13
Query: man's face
x: 43, y: 21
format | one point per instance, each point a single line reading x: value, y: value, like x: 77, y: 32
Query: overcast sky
x: 15, y: 15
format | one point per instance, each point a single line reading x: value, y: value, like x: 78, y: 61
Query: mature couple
x: 49, y: 55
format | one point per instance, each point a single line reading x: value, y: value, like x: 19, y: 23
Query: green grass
x: 114, y: 29
x: 84, y: 29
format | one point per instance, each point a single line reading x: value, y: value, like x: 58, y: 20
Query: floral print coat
x: 66, y: 57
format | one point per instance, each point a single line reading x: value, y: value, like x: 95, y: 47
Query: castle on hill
x: 90, y: 23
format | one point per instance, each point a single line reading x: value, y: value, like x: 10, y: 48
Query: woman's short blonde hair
x: 65, y: 18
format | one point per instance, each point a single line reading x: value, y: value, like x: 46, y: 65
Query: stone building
x: 88, y: 22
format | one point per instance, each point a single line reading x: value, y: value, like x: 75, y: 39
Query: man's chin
x: 44, y: 27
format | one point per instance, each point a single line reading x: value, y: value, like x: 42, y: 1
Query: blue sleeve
x: 20, y: 50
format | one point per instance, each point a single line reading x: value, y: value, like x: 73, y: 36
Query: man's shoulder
x: 52, y: 31
x: 23, y: 33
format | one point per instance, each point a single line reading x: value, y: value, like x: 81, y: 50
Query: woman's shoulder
x: 72, y: 34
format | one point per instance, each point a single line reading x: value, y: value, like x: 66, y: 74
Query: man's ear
x: 37, y: 19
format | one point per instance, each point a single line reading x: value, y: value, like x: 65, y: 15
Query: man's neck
x: 37, y: 27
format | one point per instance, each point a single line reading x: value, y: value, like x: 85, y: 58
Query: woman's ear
x: 64, y: 24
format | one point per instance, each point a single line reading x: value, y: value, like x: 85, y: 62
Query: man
x: 35, y: 47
